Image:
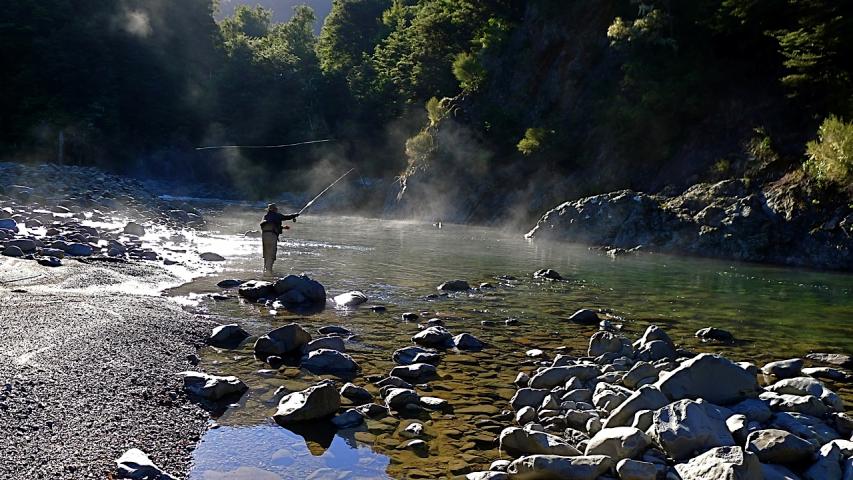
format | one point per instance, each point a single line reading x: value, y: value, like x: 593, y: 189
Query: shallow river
x: 774, y: 313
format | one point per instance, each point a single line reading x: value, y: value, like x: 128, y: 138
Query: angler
x: 271, y: 228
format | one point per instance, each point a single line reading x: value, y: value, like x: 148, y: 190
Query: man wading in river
x: 271, y: 228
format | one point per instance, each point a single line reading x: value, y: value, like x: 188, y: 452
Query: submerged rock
x: 410, y: 355
x: 212, y: 387
x: 466, y: 341
x: 229, y: 283
x: 285, y: 340
x: 454, y: 286
x: 712, y: 333
x: 433, y: 337
x: 328, y: 361
x: 585, y: 316
x: 313, y: 403
x: 548, y: 274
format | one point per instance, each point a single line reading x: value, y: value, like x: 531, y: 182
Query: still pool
x: 774, y: 313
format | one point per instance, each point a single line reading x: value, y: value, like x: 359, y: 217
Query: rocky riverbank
x: 772, y: 224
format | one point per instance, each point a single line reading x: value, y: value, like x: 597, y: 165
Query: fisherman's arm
x: 290, y: 216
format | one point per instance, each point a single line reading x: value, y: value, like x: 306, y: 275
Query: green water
x: 774, y: 313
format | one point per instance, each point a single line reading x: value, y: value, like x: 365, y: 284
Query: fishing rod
x: 324, y: 191
x: 222, y: 147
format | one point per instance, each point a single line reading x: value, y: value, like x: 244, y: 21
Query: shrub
x: 436, y: 110
x: 468, y: 71
x: 533, y: 140
x: 418, y: 150
x: 830, y: 157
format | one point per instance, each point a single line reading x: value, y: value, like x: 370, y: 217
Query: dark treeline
x: 625, y: 93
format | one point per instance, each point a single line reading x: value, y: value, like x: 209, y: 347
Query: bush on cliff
x: 831, y: 155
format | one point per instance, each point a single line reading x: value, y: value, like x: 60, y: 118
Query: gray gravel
x: 87, y: 370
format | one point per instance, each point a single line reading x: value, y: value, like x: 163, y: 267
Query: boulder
x: 640, y: 373
x: 636, y: 470
x: 466, y: 341
x: 13, y: 251
x: 433, y: 337
x: 350, y: 299
x: 837, y: 359
x: 730, y: 463
x: 8, y: 224
x: 255, y: 290
x: 684, y: 427
x: 26, y: 245
x: 715, y: 334
x: 398, y: 398
x: 135, y: 464
x: 227, y: 335
x: 414, y: 371
x: 553, y: 376
x: 133, y: 228
x: 548, y: 274
x: 606, y: 342
x: 410, y: 355
x: 212, y: 387
x: 454, y: 286
x: 778, y: 446
x: 827, y: 466
x: 804, y: 426
x: 229, y: 283
x: 656, y: 350
x: 313, y: 403
x: 710, y: 377
x: 329, y: 343
x: 561, y: 467
x: 325, y: 360
x: 652, y: 333
x: 805, y: 404
x: 754, y: 409
x: 585, y: 316
x: 212, y: 257
x: 646, y: 398
x: 784, y: 368
x: 528, y: 397
x: 50, y: 262
x: 525, y: 441
x: 285, y: 340
x: 301, y: 287
x: 356, y: 394
x: 619, y: 443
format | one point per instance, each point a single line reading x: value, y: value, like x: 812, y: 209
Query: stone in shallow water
x: 212, y: 257
x: 229, y: 283
x: 326, y: 360
x: 585, y: 316
x: 713, y: 333
x: 410, y: 355
x: 350, y: 299
x: 334, y: 330
x: 526, y: 441
x: 466, y: 341
x: 212, y: 387
x: 284, y: 340
x: 398, y: 398
x: 355, y: 393
x: 454, y: 286
x: 547, y: 274
x: 227, y: 335
x: 433, y: 337
x: 313, y: 403
x: 414, y: 371
x: 329, y: 343
x: 349, y: 419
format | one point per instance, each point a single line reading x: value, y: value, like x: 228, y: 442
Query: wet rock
x: 358, y: 395
x: 254, y: 290
x: 685, y: 426
x: 784, y: 368
x: 526, y: 441
x: 393, y: 382
x: 413, y: 430
x: 716, y: 334
x: 585, y: 316
x: 434, y: 403
x: 349, y: 419
x: 778, y: 446
x: 710, y: 377
x: 326, y: 360
x: 409, y: 317
x: 212, y: 257
x: 329, y: 343
x: 414, y: 371
x: 300, y: 286
x: 398, y: 398
x: 372, y: 410
x: 133, y: 228
x: 313, y: 403
x: 728, y: 462
x: 135, y: 464
x: 433, y: 337
x: 229, y: 283
x: 454, y: 286
x: 227, y: 335
x: 548, y: 274
x: 636, y: 470
x: 50, y: 262
x: 13, y: 251
x: 350, y: 299
x: 619, y: 443
x: 285, y: 340
x: 606, y: 342
x: 562, y: 467
x: 410, y: 355
x: 334, y: 330
x: 836, y: 359
x: 466, y: 341
x: 212, y: 387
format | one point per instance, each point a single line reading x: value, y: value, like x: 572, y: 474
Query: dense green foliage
x: 625, y: 89
x: 831, y: 155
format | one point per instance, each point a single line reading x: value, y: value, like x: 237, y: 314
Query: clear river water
x: 774, y: 313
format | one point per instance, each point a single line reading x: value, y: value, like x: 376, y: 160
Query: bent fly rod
x: 324, y: 191
x: 222, y: 147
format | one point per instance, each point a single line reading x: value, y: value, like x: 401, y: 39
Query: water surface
x: 774, y: 312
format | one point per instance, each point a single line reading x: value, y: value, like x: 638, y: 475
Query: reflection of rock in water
x: 318, y: 435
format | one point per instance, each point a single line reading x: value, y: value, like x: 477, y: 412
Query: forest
x: 571, y: 98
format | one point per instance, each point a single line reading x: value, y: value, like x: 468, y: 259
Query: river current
x: 774, y: 313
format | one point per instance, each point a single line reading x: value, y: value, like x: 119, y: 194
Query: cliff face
x: 727, y: 219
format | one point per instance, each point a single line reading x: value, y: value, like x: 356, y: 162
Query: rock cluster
x: 647, y: 410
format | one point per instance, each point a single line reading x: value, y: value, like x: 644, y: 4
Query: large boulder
x: 710, y: 377
x: 784, y: 368
x: 730, y: 463
x: 646, y: 398
x: 606, y: 342
x: 454, y: 286
x: 524, y: 441
x: 398, y: 398
x: 435, y: 336
x: 778, y: 446
x: 133, y: 228
x: 684, y: 427
x: 584, y: 467
x: 466, y: 341
x: 553, y: 376
x: 619, y: 443
x: 585, y: 316
x: 331, y: 342
x: 350, y: 299
x: 285, y: 340
x: 327, y: 360
x: 227, y: 335
x: 255, y: 290
x: 299, y: 287
x: 212, y: 387
x: 313, y: 403
x: 135, y: 465
x: 528, y: 397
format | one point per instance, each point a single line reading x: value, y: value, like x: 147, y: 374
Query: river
x: 774, y: 313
